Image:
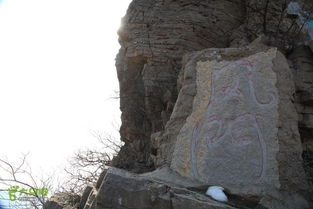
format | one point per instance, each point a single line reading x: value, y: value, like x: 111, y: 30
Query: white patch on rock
x: 120, y: 201
x: 216, y: 192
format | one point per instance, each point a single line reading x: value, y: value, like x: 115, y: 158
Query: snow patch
x: 216, y: 192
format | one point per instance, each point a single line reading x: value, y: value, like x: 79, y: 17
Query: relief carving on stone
x: 230, y: 129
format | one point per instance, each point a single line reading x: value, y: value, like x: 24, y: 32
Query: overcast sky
x: 57, y: 74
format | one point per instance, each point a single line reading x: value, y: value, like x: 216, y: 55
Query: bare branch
x: 86, y: 165
x: 23, y: 171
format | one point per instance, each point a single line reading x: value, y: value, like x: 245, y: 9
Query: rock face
x: 153, y: 37
x: 62, y: 201
x: 237, y: 128
x: 242, y: 132
x: 202, y: 105
x: 121, y: 190
x: 302, y: 65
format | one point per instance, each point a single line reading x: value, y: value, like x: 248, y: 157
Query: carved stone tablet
x: 232, y: 136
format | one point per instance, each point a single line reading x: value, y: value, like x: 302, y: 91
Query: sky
x: 57, y: 77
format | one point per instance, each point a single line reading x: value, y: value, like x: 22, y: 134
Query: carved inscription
x: 241, y: 130
x: 227, y: 131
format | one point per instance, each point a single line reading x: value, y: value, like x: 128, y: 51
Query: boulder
x: 123, y: 190
x: 242, y: 132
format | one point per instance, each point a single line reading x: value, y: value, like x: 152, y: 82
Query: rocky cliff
x: 154, y: 37
x: 213, y: 93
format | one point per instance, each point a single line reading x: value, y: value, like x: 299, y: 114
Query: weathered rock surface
x: 242, y: 133
x: 165, y: 189
x: 51, y: 204
x: 153, y: 37
x: 209, y: 108
x: 302, y: 65
x: 62, y: 201
x: 235, y: 125
x: 121, y: 190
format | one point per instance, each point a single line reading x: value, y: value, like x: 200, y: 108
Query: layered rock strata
x: 153, y: 37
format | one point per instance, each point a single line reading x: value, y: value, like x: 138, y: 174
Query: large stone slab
x: 242, y: 133
x: 123, y: 190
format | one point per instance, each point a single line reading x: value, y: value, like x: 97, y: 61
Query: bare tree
x: 86, y: 165
x: 84, y: 168
x: 20, y: 180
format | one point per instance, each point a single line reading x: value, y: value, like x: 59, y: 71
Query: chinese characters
x: 15, y: 192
